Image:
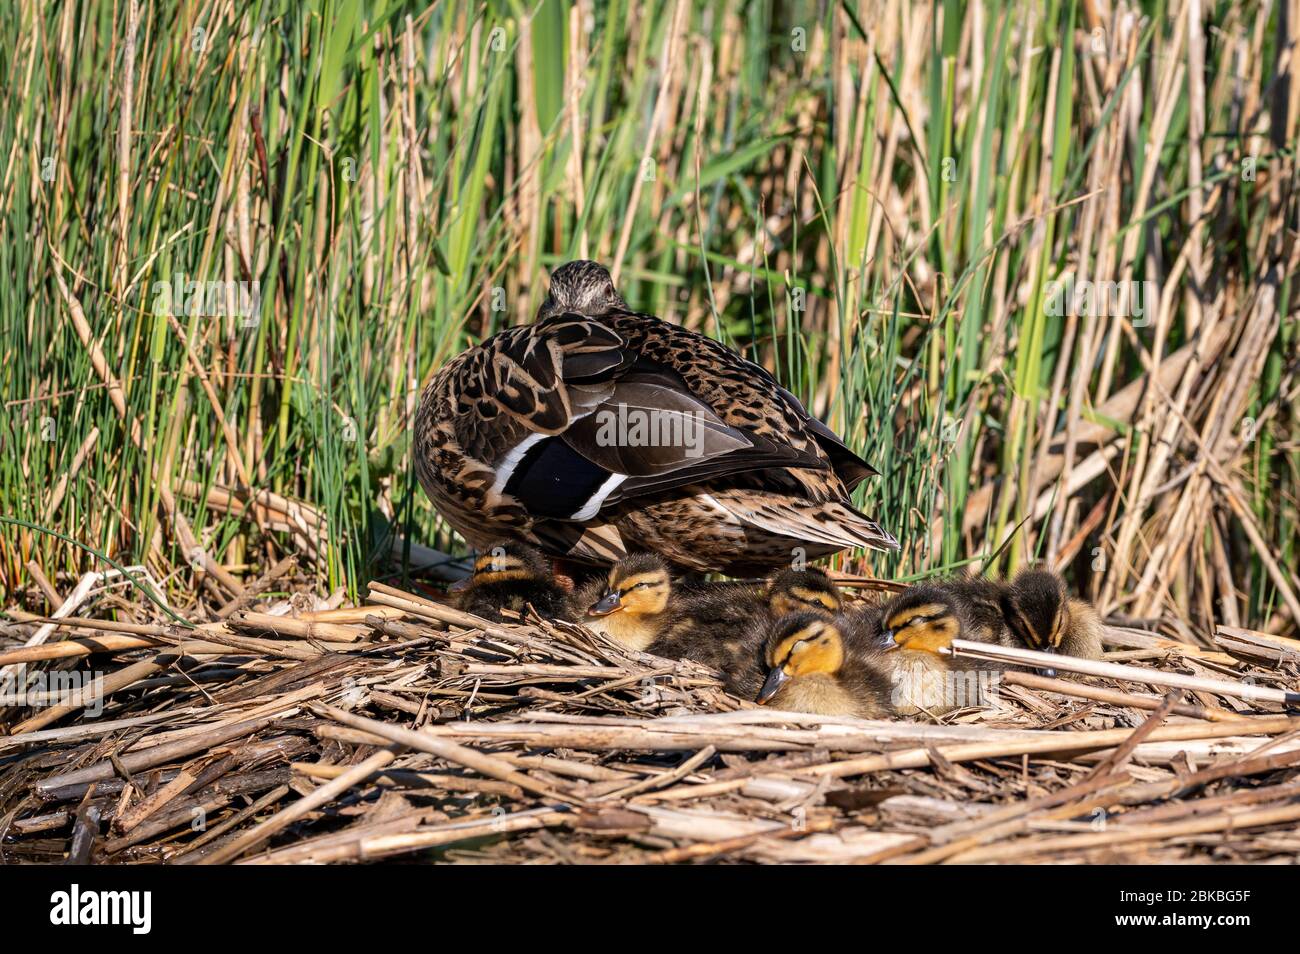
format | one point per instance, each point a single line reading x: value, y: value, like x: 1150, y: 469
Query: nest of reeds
x: 405, y: 729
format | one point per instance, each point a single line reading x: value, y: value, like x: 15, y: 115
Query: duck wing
x: 851, y: 468
x: 582, y: 420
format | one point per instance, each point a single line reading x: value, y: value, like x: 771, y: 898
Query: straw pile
x: 406, y: 729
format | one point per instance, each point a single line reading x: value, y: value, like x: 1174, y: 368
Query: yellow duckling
x: 814, y: 665
x: 715, y: 624
x: 631, y: 605
x: 808, y: 590
x: 1033, y: 611
x: 513, y: 576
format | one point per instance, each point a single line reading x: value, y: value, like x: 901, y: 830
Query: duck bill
x: 1049, y: 672
x: 460, y: 586
x: 609, y: 603
x: 887, y: 640
x: 776, y: 679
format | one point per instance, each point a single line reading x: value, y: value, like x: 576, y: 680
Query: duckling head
x: 638, y: 585
x: 1036, y: 608
x: 922, y: 618
x: 510, y: 560
x: 798, y: 591
x: 583, y: 287
x: 801, y: 644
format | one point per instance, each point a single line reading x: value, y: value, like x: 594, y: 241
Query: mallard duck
x: 630, y: 605
x: 808, y: 590
x: 820, y: 665
x: 1038, y: 608
x: 1033, y: 611
x: 513, y: 576
x: 598, y: 431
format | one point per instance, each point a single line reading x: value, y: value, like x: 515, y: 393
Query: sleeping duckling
x: 917, y: 628
x: 513, y: 576
x: 715, y: 624
x: 1042, y: 614
x: 929, y: 616
x: 631, y: 604
x: 814, y: 666
x: 720, y: 626
x: 1033, y: 611
x: 809, y: 590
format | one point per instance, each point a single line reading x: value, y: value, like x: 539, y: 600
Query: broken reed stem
x: 1067, y: 742
x: 436, y: 836
x: 410, y: 778
x: 1226, y: 821
x: 1113, y: 696
x: 445, y: 749
x: 1092, y: 667
x: 301, y: 808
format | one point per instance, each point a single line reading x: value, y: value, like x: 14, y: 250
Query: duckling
x: 928, y: 617
x: 715, y: 624
x: 513, y: 576
x: 808, y: 590
x: 820, y: 665
x: 719, y: 626
x: 598, y: 431
x: 631, y: 604
x: 917, y: 627
x: 1033, y: 611
x: 1041, y: 613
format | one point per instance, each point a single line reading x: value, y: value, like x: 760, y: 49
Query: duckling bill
x: 814, y: 665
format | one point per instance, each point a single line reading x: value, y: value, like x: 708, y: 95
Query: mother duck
x: 597, y: 431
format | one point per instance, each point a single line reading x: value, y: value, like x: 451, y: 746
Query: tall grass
x: 879, y: 201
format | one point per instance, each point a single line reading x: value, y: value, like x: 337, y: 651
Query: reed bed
x: 404, y: 728
x: 889, y: 204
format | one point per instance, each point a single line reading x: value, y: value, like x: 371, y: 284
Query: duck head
x: 921, y: 618
x: 638, y: 585
x: 799, y: 645
x: 508, y: 560
x: 1036, y: 607
x: 581, y: 287
x: 798, y: 591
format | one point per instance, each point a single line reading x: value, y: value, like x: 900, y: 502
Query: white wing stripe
x: 594, y: 503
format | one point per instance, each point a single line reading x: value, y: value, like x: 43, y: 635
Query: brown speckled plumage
x: 507, y: 444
